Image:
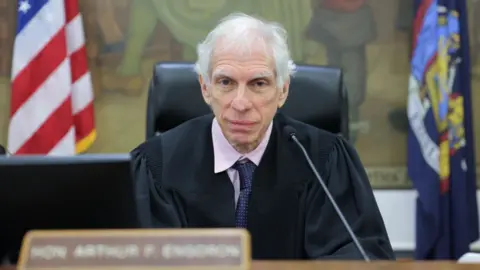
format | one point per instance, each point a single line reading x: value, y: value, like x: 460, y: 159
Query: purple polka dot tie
x: 245, y: 170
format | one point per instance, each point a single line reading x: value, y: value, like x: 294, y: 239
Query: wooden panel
x: 7, y: 30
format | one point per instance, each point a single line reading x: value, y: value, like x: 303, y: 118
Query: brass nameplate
x: 180, y: 249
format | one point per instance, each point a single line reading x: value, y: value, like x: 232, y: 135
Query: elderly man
x: 236, y: 167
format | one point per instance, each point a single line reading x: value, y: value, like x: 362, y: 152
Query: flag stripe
x: 75, y: 36
x: 36, y: 34
x: 65, y: 146
x: 50, y: 132
x: 39, y: 107
x: 84, y: 121
x: 28, y: 81
x: 79, y: 64
x: 71, y: 9
x: 81, y: 95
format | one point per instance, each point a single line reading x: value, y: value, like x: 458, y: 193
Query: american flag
x: 52, y: 95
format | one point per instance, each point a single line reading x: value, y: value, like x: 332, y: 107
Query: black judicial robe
x: 289, y: 215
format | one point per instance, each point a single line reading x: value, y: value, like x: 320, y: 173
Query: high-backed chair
x: 317, y: 97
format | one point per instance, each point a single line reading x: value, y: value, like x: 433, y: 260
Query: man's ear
x: 283, y: 94
x: 205, y: 93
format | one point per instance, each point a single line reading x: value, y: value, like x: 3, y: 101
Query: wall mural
x: 369, y: 39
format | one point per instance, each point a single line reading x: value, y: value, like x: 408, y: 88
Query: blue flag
x: 441, y: 162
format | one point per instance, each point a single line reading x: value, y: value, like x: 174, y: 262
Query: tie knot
x: 245, y: 169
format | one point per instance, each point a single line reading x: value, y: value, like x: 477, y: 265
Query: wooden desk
x: 399, y: 265
x: 289, y: 265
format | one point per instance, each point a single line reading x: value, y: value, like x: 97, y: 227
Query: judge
x: 236, y: 167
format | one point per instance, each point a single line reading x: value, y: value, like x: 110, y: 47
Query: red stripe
x: 443, y: 137
x: 51, y: 131
x: 454, y: 95
x: 38, y: 70
x: 420, y: 16
x: 84, y: 122
x: 444, y: 185
x: 71, y: 9
x: 78, y: 63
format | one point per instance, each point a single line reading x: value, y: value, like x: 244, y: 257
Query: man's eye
x: 260, y: 83
x: 225, y: 82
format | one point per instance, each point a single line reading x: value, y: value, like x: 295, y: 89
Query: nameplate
x: 179, y: 249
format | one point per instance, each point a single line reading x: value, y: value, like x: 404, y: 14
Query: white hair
x: 246, y: 31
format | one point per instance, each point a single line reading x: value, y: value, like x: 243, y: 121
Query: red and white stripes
x: 52, y: 95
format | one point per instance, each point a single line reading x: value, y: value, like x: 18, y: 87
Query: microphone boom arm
x: 330, y: 197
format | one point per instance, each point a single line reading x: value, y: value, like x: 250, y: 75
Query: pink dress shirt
x: 225, y: 155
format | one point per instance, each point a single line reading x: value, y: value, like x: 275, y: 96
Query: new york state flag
x: 441, y: 161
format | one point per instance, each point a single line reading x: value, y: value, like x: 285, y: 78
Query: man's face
x: 243, y: 94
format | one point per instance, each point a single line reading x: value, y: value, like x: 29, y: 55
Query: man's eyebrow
x: 262, y: 75
x: 221, y: 73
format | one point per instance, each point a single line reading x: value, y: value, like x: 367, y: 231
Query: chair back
x: 317, y: 97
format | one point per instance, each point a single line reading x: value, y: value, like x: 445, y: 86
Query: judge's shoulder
x: 313, y: 137
x: 188, y: 131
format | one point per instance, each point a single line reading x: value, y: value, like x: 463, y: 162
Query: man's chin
x: 239, y: 140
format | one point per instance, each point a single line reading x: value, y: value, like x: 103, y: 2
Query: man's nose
x: 241, y: 102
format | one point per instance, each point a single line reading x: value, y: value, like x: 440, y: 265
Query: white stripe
x: 37, y: 33
x: 75, y: 35
x: 82, y: 93
x: 37, y: 109
x: 66, y: 146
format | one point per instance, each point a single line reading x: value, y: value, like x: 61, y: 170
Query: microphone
x: 290, y: 132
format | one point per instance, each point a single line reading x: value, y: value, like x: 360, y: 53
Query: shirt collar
x: 225, y: 155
